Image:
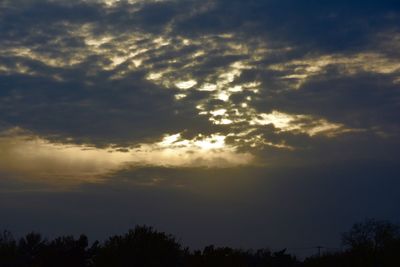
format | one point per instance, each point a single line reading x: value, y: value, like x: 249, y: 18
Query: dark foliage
x: 139, y: 247
x: 368, y: 244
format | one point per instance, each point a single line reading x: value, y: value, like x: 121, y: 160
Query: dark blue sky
x: 243, y: 123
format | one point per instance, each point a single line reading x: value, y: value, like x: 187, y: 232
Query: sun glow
x: 68, y: 164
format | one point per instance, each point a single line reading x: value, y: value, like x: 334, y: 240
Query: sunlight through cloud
x: 65, y: 165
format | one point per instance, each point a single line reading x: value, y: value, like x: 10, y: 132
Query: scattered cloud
x: 229, y: 82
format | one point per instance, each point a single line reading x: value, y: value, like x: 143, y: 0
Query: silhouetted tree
x: 30, y: 248
x: 225, y: 256
x: 369, y: 244
x: 141, y: 247
x: 371, y: 235
x: 8, y: 249
x: 373, y: 243
x: 339, y: 259
x: 66, y: 251
x: 282, y: 259
x: 228, y: 257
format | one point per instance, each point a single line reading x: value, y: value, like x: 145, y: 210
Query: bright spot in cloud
x: 224, y: 96
x: 118, y: 60
x: 222, y: 121
x: 278, y: 119
x: 208, y: 87
x: 218, y: 112
x: 235, y: 89
x: 160, y: 42
x: 213, y: 142
x: 184, y: 85
x: 154, y: 76
x: 180, y: 96
x: 174, y: 150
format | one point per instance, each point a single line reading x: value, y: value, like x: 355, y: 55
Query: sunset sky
x: 248, y: 123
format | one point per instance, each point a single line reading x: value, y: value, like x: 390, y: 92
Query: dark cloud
x: 363, y: 100
x: 317, y: 25
x: 85, y: 102
x: 118, y: 112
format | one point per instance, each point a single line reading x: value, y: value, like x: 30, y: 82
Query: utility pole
x: 319, y: 250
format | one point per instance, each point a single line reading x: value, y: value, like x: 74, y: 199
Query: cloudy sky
x: 243, y: 123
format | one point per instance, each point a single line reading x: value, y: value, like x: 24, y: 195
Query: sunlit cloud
x: 58, y: 164
x: 230, y: 87
x: 112, y: 3
x: 66, y: 165
x: 208, y: 87
x: 49, y: 60
x: 371, y: 62
x: 184, y: 85
x: 174, y: 150
x: 299, y: 123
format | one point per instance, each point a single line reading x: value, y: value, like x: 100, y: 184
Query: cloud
x: 316, y: 25
x: 272, y: 78
x: 35, y: 162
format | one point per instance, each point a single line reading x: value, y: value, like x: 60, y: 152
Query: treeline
x: 368, y: 244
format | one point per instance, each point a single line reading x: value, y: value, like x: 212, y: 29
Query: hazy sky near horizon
x: 246, y: 123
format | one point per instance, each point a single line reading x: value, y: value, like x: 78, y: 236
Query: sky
x: 250, y: 123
